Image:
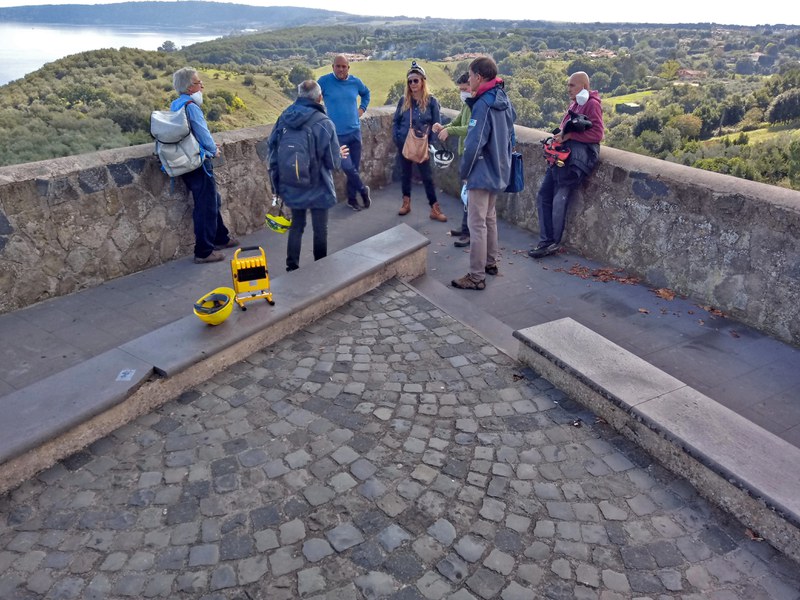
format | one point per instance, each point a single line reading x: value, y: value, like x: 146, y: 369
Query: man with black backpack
x: 303, y: 153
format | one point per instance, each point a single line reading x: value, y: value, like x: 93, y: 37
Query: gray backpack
x: 176, y: 147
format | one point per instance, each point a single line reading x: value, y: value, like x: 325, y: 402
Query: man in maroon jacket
x: 558, y: 183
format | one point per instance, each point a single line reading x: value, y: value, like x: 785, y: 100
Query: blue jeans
x: 319, y: 222
x: 209, y: 229
x: 551, y: 202
x: 351, y: 164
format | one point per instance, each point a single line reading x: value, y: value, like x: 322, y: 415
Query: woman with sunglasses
x: 419, y: 109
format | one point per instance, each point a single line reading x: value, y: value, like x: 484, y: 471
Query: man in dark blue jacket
x: 486, y: 168
x: 307, y: 111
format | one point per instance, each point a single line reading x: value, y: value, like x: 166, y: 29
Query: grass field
x: 638, y: 98
x: 380, y: 75
x: 767, y: 133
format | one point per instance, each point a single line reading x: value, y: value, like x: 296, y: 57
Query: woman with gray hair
x: 210, y: 233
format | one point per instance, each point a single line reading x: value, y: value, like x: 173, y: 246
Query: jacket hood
x: 298, y: 113
x: 495, y: 97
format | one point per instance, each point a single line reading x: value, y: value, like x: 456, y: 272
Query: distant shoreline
x: 27, y: 47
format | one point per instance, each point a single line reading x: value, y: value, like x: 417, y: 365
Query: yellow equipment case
x: 250, y: 276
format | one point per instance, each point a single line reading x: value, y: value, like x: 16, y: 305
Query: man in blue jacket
x: 486, y: 167
x: 346, y: 99
x: 307, y: 112
x: 210, y: 233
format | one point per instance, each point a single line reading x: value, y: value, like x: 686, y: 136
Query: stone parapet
x: 725, y: 242
x: 71, y: 223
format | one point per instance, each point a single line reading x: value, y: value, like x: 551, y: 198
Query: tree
x: 669, y: 70
x: 300, y: 73
x: 689, y: 126
x: 646, y: 122
x: 167, y: 46
x: 395, y: 92
x: 786, y: 107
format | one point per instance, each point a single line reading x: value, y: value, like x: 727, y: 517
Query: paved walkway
x: 748, y: 372
x: 386, y: 451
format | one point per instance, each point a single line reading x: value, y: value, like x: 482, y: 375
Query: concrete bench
x: 741, y: 467
x: 63, y: 413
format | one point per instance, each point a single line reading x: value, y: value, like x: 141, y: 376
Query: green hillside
x: 380, y: 75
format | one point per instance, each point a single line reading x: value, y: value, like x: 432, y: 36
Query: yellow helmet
x: 278, y: 223
x: 216, y: 306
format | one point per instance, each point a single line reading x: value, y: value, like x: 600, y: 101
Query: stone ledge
x: 52, y: 406
x: 64, y: 413
x: 736, y: 464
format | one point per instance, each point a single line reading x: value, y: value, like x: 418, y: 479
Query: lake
x: 26, y: 47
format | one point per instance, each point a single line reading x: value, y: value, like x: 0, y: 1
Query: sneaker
x: 491, y: 270
x: 462, y: 242
x: 211, y: 258
x: 467, y: 283
x: 365, y: 197
x: 544, y: 250
x: 232, y: 243
x: 354, y: 204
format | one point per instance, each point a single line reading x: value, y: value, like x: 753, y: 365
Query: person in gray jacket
x: 486, y: 167
x: 321, y: 197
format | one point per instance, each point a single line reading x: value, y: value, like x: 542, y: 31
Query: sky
x: 582, y: 11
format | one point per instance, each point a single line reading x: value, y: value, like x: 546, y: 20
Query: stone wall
x: 74, y: 222
x: 724, y: 242
x: 71, y: 223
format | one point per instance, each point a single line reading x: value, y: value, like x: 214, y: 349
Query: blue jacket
x: 486, y: 162
x: 341, y: 98
x: 402, y: 118
x: 197, y: 122
x: 323, y: 195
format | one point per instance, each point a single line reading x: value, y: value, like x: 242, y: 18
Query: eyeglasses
x: 413, y: 81
x: 197, y: 83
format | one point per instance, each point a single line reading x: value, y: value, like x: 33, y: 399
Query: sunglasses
x: 413, y: 81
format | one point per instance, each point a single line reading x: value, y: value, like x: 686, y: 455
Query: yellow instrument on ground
x: 250, y: 276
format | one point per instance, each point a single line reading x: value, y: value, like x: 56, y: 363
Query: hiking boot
x: 437, y: 214
x: 232, y: 243
x: 211, y: 258
x: 406, y: 207
x: 462, y: 242
x: 365, y: 197
x: 544, y: 249
x: 492, y: 269
x: 354, y: 204
x: 467, y: 283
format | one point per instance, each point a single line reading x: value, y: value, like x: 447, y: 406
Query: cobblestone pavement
x: 386, y: 451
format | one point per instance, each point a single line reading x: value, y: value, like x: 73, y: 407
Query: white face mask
x: 465, y: 95
x: 582, y: 97
x: 197, y: 98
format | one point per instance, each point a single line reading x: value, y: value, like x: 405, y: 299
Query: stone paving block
x: 344, y: 536
x: 286, y: 484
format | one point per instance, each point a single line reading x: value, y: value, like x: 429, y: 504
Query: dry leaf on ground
x: 664, y: 293
x: 753, y: 535
x: 713, y: 311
